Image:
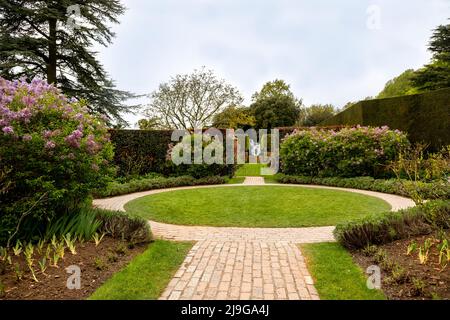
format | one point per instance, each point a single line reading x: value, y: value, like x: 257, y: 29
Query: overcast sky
x: 328, y: 51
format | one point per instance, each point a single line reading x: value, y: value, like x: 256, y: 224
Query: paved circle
x: 243, y: 263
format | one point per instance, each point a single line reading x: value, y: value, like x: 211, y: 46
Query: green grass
x: 335, y: 274
x: 147, y: 275
x: 249, y: 170
x: 256, y: 206
x: 236, y: 180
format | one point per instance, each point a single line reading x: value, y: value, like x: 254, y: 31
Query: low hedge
x: 121, y: 225
x: 390, y: 226
x: 429, y: 190
x: 137, y: 185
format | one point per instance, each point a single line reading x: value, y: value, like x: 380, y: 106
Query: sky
x: 328, y: 51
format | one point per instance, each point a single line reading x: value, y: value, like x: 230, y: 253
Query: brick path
x: 242, y: 263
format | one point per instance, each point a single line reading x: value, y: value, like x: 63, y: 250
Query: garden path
x: 242, y: 263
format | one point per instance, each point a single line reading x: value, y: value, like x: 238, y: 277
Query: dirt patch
x: 403, y: 276
x: 97, y: 264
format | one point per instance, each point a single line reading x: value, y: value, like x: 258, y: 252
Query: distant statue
x: 255, y: 148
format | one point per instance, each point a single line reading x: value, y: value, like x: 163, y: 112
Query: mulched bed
x: 97, y: 264
x: 436, y: 280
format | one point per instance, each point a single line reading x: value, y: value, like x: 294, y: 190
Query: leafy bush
x: 391, y: 226
x: 53, y: 153
x: 429, y: 190
x: 137, y: 185
x: 350, y: 152
x: 121, y: 225
x: 139, y: 152
x: 82, y: 225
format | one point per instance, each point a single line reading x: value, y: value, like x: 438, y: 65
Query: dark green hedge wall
x: 138, y: 152
x: 425, y: 117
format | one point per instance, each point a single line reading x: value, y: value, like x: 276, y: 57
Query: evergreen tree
x: 53, y: 40
x: 436, y: 75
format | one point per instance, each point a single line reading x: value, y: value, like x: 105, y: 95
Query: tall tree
x: 190, y: 101
x: 399, y: 86
x: 436, y: 75
x: 275, y: 106
x: 234, y: 117
x: 276, y: 88
x: 53, y: 39
x: 317, y: 113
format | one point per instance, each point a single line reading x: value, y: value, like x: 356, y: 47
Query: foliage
x: 317, y: 113
x: 126, y: 227
x: 275, y: 89
x: 429, y: 190
x: 350, y: 152
x: 384, y: 228
x: 190, y: 101
x: 399, y: 86
x: 234, y: 117
x: 413, y: 165
x: 275, y: 112
x: 137, y: 185
x: 36, y: 40
x: 424, y: 117
x: 436, y: 75
x: 55, y: 154
x: 80, y: 225
x: 153, y: 123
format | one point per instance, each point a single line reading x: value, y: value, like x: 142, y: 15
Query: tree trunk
x: 51, y: 66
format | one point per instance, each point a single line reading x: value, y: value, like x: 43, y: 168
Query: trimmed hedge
x: 425, y: 117
x: 430, y: 190
x: 390, y: 226
x: 138, y: 152
x: 121, y: 225
x: 137, y: 185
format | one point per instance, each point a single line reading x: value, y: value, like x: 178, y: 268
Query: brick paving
x: 229, y: 263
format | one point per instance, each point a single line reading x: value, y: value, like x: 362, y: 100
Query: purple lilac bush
x: 52, y: 152
x: 350, y: 152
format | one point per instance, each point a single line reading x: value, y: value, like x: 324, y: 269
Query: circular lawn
x: 256, y: 206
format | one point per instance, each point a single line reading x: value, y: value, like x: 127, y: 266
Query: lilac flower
x: 28, y: 101
x: 95, y: 167
x: 27, y: 137
x: 74, y: 138
x: 8, y: 130
x: 50, y: 145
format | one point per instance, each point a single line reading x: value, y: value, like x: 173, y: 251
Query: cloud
x: 323, y: 48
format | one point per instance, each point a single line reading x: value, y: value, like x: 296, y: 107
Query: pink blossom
x: 50, y: 145
x: 8, y: 130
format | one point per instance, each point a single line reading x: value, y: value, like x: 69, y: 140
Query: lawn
x: 249, y: 170
x: 335, y: 274
x: 256, y: 206
x: 147, y: 275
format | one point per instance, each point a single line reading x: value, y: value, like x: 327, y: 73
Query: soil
x: 435, y: 278
x: 97, y: 264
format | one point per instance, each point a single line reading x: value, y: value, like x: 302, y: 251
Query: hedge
x: 138, y: 152
x: 430, y: 190
x: 137, y: 185
x: 390, y: 226
x: 425, y: 117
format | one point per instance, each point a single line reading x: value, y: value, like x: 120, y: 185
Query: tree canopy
x: 317, y: 113
x: 36, y: 40
x: 399, y: 86
x: 234, y: 118
x: 436, y: 75
x: 190, y: 101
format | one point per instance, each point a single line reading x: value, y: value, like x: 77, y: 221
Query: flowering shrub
x: 350, y: 152
x: 54, y: 153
